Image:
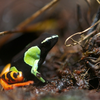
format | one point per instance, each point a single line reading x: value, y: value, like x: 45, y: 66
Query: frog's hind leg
x: 7, y: 86
x: 23, y: 84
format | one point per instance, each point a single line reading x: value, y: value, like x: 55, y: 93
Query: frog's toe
x: 38, y: 75
x: 29, y: 82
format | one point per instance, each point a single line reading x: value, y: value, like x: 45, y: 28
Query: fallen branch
x: 30, y: 19
x: 79, y: 33
x: 98, y: 1
x: 35, y: 15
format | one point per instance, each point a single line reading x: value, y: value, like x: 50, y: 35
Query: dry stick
x: 85, y: 73
x: 79, y: 33
x: 27, y: 21
x: 98, y: 1
x: 91, y: 29
x: 30, y: 19
x: 6, y: 32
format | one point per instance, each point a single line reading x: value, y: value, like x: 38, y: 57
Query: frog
x: 25, y: 66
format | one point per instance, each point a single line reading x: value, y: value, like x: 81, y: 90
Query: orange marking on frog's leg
x: 7, y: 86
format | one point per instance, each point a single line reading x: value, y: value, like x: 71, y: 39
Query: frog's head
x: 46, y: 45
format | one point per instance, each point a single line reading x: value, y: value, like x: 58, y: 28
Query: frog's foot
x: 7, y: 86
x: 38, y: 75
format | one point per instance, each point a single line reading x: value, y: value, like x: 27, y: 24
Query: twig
x: 85, y: 73
x: 6, y: 32
x: 79, y: 33
x: 30, y: 19
x: 98, y: 1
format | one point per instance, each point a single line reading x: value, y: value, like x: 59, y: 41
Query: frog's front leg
x: 7, y: 86
x: 32, y: 57
x: 35, y: 72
